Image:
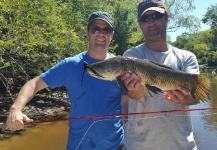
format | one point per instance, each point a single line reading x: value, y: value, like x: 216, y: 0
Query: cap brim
x: 158, y: 9
x: 102, y: 20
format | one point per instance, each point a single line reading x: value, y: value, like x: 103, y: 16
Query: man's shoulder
x: 138, y: 47
x: 182, y: 51
x: 75, y: 59
x: 135, y: 51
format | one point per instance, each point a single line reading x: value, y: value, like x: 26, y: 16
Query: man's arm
x: 16, y: 118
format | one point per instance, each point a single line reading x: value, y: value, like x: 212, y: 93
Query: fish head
x: 105, y: 70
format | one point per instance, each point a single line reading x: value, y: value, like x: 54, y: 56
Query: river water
x: 45, y: 136
x: 53, y: 136
x: 205, y: 122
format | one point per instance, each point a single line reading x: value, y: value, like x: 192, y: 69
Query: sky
x: 199, y: 12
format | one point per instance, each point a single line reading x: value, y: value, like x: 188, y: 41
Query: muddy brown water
x: 53, y: 136
x: 46, y: 136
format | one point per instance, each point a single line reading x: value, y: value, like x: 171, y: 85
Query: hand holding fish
x: 182, y: 95
x: 134, y: 86
x: 131, y: 81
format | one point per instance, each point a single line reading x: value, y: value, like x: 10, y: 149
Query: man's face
x: 153, y: 25
x: 100, y: 35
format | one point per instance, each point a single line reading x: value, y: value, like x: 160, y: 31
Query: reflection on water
x: 205, y: 122
x: 46, y: 136
x: 53, y: 136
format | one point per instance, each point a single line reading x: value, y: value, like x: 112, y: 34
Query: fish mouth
x: 87, y: 67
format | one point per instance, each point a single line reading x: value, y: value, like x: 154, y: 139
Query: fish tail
x: 202, y: 89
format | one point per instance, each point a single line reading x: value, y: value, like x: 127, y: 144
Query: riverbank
x: 44, y: 106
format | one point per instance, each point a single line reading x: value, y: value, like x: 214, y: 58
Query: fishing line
x: 85, y: 134
x: 204, y: 115
x: 129, y: 114
x: 94, y: 122
x: 155, y: 117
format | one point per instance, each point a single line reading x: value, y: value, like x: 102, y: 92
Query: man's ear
x: 113, y: 33
x: 167, y: 17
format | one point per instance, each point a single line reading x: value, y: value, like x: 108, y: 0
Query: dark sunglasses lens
x: 145, y: 18
x: 107, y: 30
x: 95, y: 29
x: 154, y: 16
x: 157, y: 15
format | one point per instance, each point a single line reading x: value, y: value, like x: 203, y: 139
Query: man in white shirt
x: 163, y: 131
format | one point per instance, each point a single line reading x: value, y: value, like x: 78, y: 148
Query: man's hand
x: 182, y: 95
x: 131, y: 81
x: 133, y: 85
x: 16, y: 120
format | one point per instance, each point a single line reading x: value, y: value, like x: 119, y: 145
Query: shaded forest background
x: 35, y: 35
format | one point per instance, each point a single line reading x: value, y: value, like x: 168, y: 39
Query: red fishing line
x: 129, y: 114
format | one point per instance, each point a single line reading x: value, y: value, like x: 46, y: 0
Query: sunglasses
x: 154, y: 16
x: 97, y: 30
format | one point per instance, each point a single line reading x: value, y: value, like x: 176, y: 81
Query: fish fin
x: 121, y: 84
x: 161, y: 65
x: 148, y: 92
x: 201, y: 92
x: 152, y: 89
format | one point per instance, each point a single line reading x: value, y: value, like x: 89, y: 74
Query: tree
x: 125, y: 25
x: 181, y: 15
x: 35, y: 35
x: 198, y: 43
x: 211, y: 19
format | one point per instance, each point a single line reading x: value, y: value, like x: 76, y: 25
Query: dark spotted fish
x: 155, y: 77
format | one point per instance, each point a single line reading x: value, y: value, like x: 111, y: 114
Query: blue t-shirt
x: 89, y: 97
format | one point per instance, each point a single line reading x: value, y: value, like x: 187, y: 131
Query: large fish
x: 155, y: 77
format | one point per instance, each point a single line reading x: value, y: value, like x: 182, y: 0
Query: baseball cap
x: 101, y: 15
x: 146, y: 5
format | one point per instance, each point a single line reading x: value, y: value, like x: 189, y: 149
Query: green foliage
x: 203, y: 47
x: 124, y: 26
x: 181, y: 17
x: 211, y: 19
x: 200, y: 44
x: 33, y: 37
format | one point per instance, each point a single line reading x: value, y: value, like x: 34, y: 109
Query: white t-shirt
x: 162, y: 131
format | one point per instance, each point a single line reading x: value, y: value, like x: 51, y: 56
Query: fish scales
x: 152, y: 75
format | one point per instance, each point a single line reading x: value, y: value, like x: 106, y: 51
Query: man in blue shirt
x: 88, y: 96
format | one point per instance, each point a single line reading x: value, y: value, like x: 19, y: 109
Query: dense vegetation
x: 34, y: 35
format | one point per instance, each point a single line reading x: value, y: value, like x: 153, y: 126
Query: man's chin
x: 100, y: 45
x: 153, y: 37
